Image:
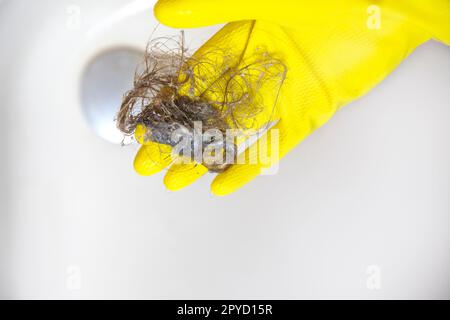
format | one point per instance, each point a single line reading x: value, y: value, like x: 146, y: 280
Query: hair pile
x: 173, y: 89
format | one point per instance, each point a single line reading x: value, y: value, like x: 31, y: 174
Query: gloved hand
x: 335, y: 52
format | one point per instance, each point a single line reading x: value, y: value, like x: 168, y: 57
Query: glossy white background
x: 370, y: 188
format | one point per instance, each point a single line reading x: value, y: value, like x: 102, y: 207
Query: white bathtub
x: 360, y: 210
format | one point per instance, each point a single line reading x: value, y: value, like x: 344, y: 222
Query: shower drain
x: 103, y: 83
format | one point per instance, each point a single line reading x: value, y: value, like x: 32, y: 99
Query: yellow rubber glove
x: 335, y: 52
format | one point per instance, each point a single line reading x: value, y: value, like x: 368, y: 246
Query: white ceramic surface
x: 366, y: 196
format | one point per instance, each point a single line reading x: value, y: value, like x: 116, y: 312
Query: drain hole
x: 106, y: 78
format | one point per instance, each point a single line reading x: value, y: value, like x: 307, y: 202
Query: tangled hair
x: 174, y: 90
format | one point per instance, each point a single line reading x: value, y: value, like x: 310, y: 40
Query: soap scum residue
x: 178, y: 98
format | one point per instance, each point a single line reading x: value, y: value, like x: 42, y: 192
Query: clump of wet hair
x: 174, y: 90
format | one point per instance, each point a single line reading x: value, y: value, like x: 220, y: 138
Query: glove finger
x: 261, y: 155
x: 200, y: 13
x: 270, y: 148
x: 152, y: 158
x: 180, y: 176
x: 234, y: 178
x: 140, y: 135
